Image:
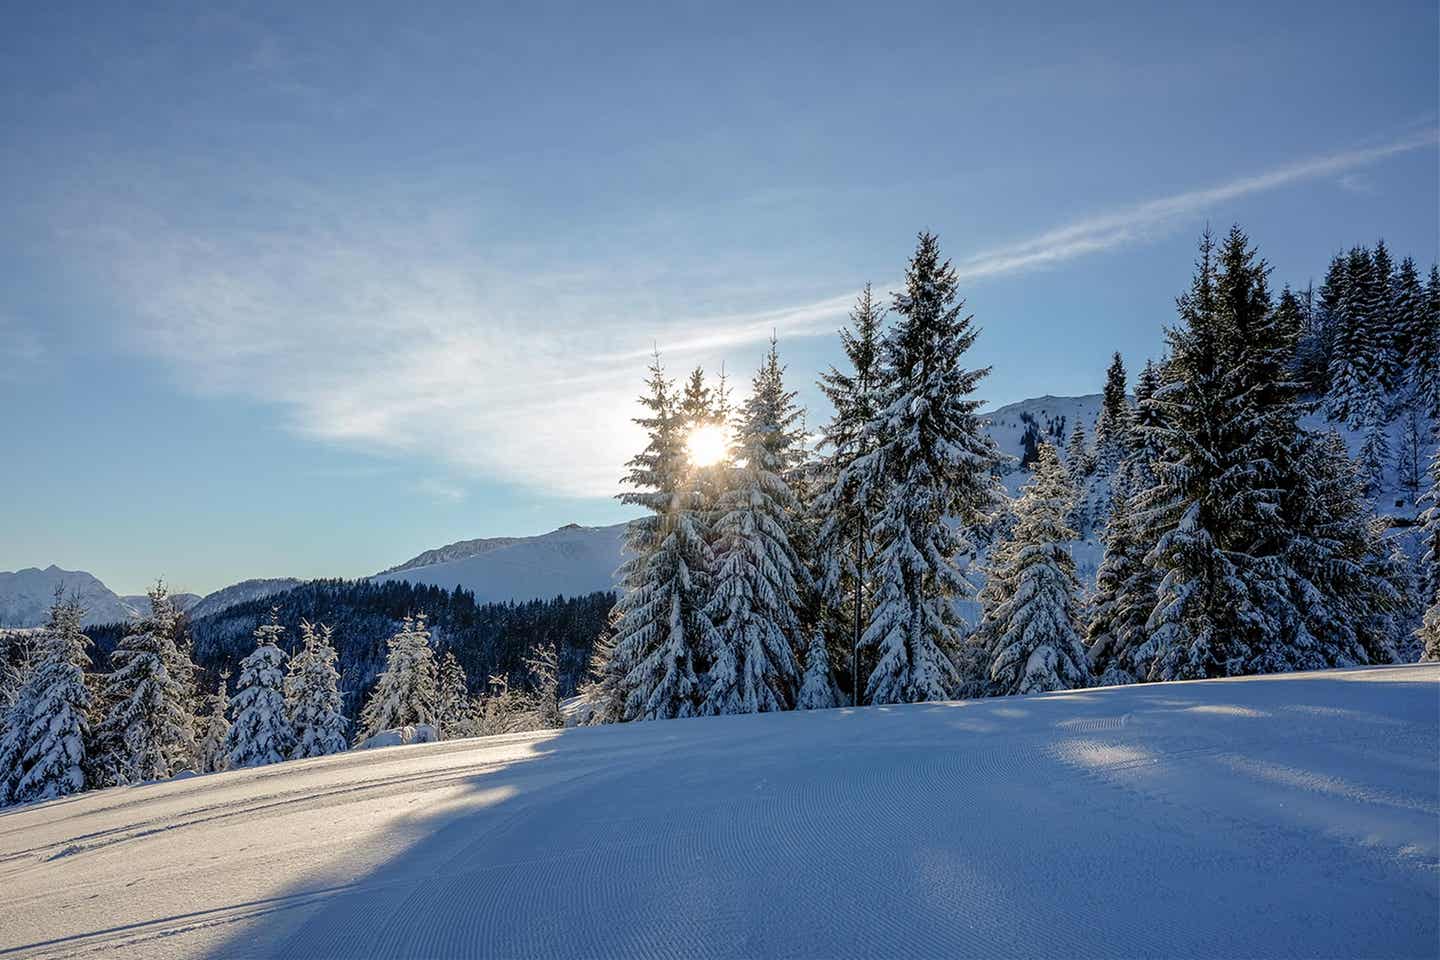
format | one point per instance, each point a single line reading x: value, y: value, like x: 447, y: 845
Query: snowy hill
x: 26, y: 595
x: 241, y: 592
x: 1289, y: 816
x: 1054, y: 417
x: 572, y: 561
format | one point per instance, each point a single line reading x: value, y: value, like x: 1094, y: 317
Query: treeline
x: 1236, y: 539
x: 314, y: 670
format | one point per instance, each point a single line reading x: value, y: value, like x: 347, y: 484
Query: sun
x: 706, y: 446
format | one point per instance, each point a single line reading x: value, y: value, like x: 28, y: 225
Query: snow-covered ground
x: 1276, y: 816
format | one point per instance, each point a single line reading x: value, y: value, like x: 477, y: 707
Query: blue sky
x: 305, y: 289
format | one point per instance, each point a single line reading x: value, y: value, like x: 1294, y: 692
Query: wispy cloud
x: 441, y: 491
x: 1131, y: 224
x: 391, y: 333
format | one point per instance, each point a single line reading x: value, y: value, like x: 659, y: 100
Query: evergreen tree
x: 148, y: 729
x: 214, y: 749
x: 454, y: 708
x: 1079, y: 461
x: 261, y: 732
x: 1112, y: 428
x: 1031, y: 622
x: 1430, y: 528
x: 1375, y: 451
x: 1425, y: 346
x: 544, y: 667
x: 1126, y: 587
x: 166, y: 620
x: 1329, y: 326
x: 843, y: 538
x: 312, y: 695
x: 1227, y: 430
x: 43, y: 745
x: 931, y: 463
x: 406, y: 692
x: 603, y: 689
x: 817, y: 687
x: 662, y: 636
x: 1344, y: 588
x: 760, y: 580
x: 1407, y: 300
x: 1355, y: 371
x: 1390, y: 349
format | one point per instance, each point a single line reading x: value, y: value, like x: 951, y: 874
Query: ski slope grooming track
x: 1287, y: 816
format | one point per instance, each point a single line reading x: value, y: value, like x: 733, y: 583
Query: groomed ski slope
x: 1277, y: 816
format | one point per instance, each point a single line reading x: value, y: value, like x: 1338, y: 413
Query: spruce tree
x: 1375, y: 450
x: 1079, y: 460
x: 165, y: 619
x: 261, y: 732
x: 843, y: 538
x: 1125, y: 587
x: 817, y: 686
x: 1355, y: 371
x: 312, y: 695
x: 148, y: 729
x: 1425, y: 344
x: 760, y: 581
x: 44, y: 743
x: 214, y: 748
x: 1345, y: 590
x: 1227, y: 428
x: 1390, y: 348
x: 1112, y: 428
x: 1430, y: 560
x: 931, y: 464
x: 406, y: 693
x: 662, y: 636
x: 454, y: 708
x: 1329, y: 325
x: 1030, y: 628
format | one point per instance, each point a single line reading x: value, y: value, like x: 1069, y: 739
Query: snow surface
x: 1278, y: 816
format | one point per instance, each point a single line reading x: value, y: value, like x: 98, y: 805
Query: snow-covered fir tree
x: 260, y: 732
x: 1355, y: 366
x: 1112, y: 427
x: 1428, y: 633
x: 148, y: 728
x: 1079, y: 459
x: 43, y: 744
x: 931, y: 464
x: 1375, y: 450
x: 453, y: 707
x: 817, y: 686
x: 1425, y: 346
x: 312, y: 695
x: 1228, y: 427
x: 662, y: 636
x: 1346, y: 585
x: 1390, y: 351
x: 1031, y: 623
x: 165, y: 619
x: 757, y: 593
x: 1126, y: 587
x: 214, y: 744
x: 406, y: 692
x: 843, y: 543
x: 543, y: 664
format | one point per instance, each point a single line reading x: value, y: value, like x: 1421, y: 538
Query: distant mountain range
x: 570, y: 561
